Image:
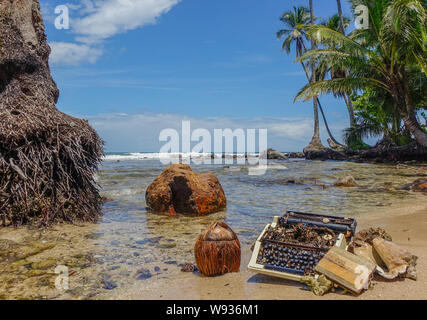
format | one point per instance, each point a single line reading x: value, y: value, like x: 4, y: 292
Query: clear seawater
x: 131, y: 246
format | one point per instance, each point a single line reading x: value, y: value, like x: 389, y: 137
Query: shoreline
x: 406, y: 224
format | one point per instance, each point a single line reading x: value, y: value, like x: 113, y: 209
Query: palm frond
x: 340, y: 85
x: 327, y: 36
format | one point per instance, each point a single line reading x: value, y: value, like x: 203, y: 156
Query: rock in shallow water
x: 143, y: 274
x: 348, y: 181
x: 275, y: 155
x: 108, y: 285
x: 419, y: 185
x: 180, y: 190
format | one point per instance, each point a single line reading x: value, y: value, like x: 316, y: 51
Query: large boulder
x: 180, y: 190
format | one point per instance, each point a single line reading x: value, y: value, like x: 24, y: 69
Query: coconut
x: 217, y: 250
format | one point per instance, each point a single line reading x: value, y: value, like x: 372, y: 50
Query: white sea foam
x: 155, y: 156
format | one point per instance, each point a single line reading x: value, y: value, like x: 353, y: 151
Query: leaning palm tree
x: 377, y: 58
x: 293, y: 35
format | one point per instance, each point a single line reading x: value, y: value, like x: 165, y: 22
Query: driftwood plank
x: 346, y: 269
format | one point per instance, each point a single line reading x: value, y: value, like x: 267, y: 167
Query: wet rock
x: 149, y: 240
x: 15, y: 252
x: 44, y: 264
x: 189, y: 267
x: 143, y: 274
x: 383, y: 151
x: 36, y: 273
x: 297, y: 155
x: 94, y: 236
x: 166, y: 245
x: 419, y: 185
x: 18, y: 263
x: 275, y: 155
x: 108, y: 285
x: 80, y: 261
x: 324, y: 154
x: 348, y: 181
x: 180, y: 190
x: 405, y: 187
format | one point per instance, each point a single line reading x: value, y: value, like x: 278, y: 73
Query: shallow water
x: 130, y: 246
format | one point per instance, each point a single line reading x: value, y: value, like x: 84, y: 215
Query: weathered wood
x: 346, y: 269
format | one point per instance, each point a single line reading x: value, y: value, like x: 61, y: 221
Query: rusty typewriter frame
x: 344, y: 228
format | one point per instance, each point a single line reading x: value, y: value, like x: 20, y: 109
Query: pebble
x: 143, y: 274
x: 108, y: 285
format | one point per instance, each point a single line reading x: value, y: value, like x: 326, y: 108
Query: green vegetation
x: 380, y: 72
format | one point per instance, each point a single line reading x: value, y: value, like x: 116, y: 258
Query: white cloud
x: 140, y: 132
x: 112, y: 17
x: 73, y: 54
x: 100, y: 20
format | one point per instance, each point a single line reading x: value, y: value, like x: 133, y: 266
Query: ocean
x: 131, y: 246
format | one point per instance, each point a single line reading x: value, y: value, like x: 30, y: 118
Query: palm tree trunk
x: 414, y: 128
x: 341, y: 16
x: 321, y: 109
x: 409, y: 118
x: 315, y: 142
x: 350, y: 109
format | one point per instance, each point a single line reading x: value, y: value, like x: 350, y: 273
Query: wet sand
x: 405, y: 222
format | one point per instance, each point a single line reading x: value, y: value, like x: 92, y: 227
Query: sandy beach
x: 406, y: 223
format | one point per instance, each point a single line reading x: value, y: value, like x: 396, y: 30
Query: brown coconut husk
x: 217, y: 250
x: 47, y: 158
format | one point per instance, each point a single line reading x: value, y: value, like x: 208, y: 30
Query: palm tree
x: 315, y: 142
x: 377, y: 58
x: 295, y: 36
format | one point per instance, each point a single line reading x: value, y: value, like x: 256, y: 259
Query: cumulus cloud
x: 140, y: 132
x: 97, y: 21
x: 72, y: 53
x: 112, y: 17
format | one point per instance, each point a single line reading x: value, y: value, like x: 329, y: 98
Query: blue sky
x: 135, y: 67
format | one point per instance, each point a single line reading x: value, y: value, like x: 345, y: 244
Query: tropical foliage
x: 294, y: 36
x: 383, y: 69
